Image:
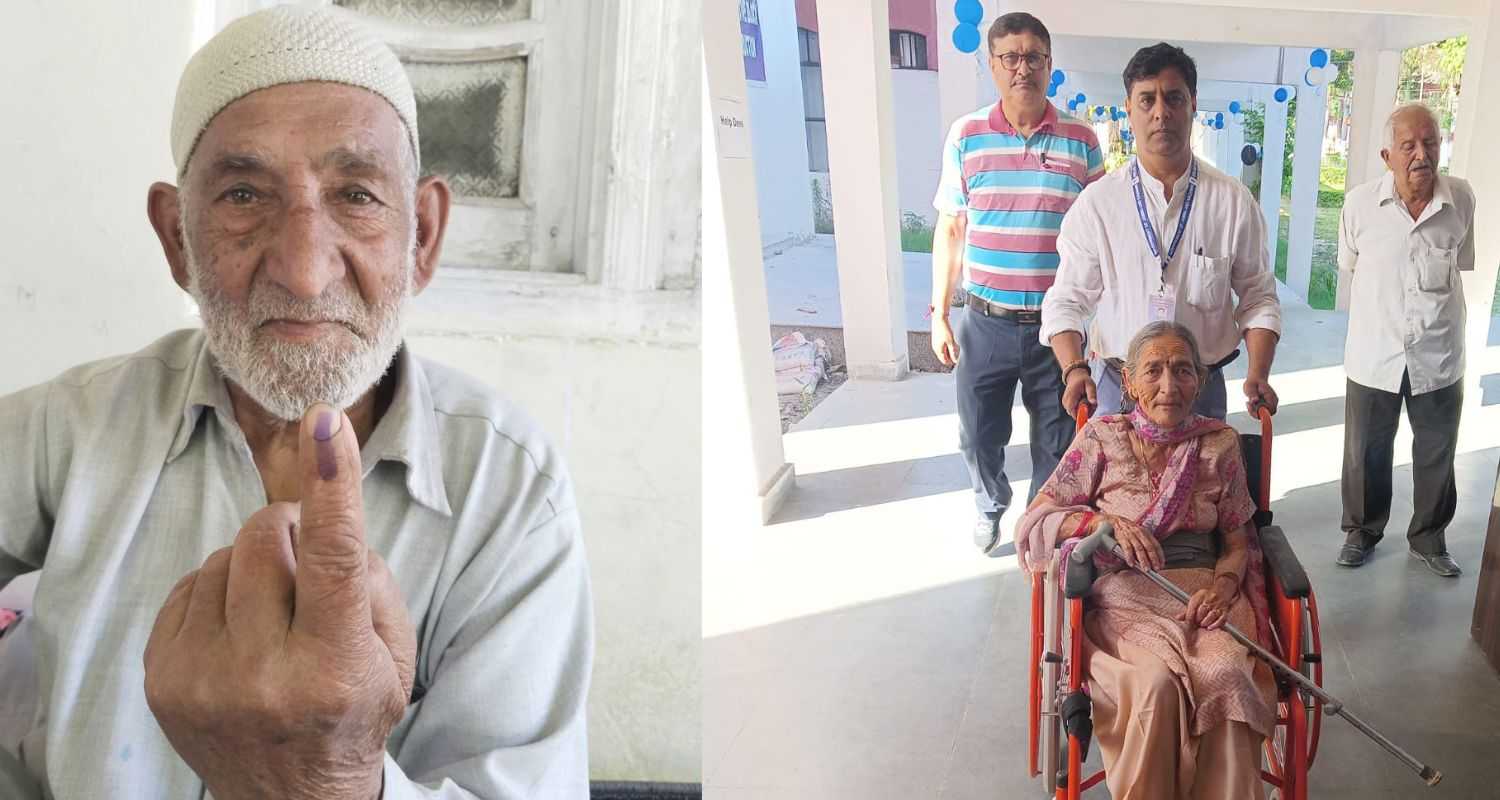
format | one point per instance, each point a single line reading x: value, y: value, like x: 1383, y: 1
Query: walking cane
x: 1104, y: 539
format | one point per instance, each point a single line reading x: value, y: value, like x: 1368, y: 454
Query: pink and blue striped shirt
x: 1015, y: 191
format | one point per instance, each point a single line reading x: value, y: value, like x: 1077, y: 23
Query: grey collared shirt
x: 120, y: 476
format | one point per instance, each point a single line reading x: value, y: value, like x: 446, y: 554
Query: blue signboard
x: 750, y: 41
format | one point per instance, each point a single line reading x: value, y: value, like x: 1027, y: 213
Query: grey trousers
x: 995, y: 355
x: 1370, y: 420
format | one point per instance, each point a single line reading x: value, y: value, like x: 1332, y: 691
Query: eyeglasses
x: 1034, y: 61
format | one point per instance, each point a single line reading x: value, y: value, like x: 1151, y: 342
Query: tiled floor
x: 858, y: 647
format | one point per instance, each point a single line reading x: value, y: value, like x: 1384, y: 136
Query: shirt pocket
x: 1435, y: 267
x: 1208, y: 282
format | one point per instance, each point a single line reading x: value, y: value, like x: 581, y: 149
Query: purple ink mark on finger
x: 328, y: 465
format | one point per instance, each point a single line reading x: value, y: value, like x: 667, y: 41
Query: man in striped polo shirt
x: 1010, y: 172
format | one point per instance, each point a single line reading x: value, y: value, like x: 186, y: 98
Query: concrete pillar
x: 854, y: 37
x: 1480, y: 111
x: 742, y: 423
x: 1272, y: 167
x: 1312, y: 117
x: 958, y: 73
x: 1234, y: 135
x: 1376, y: 73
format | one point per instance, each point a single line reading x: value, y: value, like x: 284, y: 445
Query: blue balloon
x: 1318, y: 58
x: 1058, y: 77
x: 1079, y: 97
x: 1219, y: 123
x: 966, y: 38
x: 1072, y: 105
x: 969, y: 12
x: 1234, y: 106
x: 1052, y: 90
x: 1281, y: 94
x: 1219, y: 118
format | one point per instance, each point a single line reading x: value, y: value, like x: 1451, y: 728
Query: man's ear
x: 162, y: 209
x: 432, y: 201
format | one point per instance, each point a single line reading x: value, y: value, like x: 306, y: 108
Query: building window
x: 812, y: 100
x: 485, y: 75
x: 908, y: 50
x: 807, y: 47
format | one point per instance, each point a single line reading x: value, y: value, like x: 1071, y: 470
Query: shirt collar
x: 1442, y: 194
x: 407, y: 432
x: 1158, y: 190
x: 999, y: 123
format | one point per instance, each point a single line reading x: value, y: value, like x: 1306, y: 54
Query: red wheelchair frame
x: 1289, y: 751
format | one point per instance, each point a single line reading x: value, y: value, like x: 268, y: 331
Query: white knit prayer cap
x: 285, y: 44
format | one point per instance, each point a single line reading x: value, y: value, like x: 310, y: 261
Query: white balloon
x: 1315, y: 76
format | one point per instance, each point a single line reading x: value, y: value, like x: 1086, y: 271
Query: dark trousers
x: 994, y: 354
x: 1370, y: 420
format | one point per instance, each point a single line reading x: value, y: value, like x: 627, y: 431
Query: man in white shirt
x: 1402, y: 240
x: 1167, y: 237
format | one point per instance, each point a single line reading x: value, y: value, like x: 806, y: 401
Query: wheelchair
x: 1059, y: 707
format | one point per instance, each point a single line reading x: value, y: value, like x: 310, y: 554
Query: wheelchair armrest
x: 1283, y: 563
x: 1078, y: 578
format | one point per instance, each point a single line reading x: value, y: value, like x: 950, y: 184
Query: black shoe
x: 1353, y: 555
x: 986, y: 533
x: 1441, y: 563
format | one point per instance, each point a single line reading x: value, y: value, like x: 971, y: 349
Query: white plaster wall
x: 82, y: 277
x: 779, y: 137
x: 919, y: 140
x: 84, y: 134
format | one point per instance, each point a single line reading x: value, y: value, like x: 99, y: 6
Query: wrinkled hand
x: 1080, y: 387
x: 1140, y: 548
x: 1209, y: 607
x: 1257, y: 393
x: 279, y: 667
x: 944, y: 346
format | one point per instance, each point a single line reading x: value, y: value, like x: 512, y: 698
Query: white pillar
x: 1480, y: 111
x: 742, y: 426
x: 1234, y: 134
x: 1376, y: 73
x: 1472, y: 80
x: 958, y: 73
x: 1312, y: 116
x: 1272, y: 167
x: 854, y: 37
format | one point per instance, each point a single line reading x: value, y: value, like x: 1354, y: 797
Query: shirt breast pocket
x: 1435, y: 267
x: 1208, y: 282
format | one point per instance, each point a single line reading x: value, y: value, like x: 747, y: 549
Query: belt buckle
x: 1029, y: 317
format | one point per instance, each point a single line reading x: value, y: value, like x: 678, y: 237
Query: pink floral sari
x: 1203, y: 488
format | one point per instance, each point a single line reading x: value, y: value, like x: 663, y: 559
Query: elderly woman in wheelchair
x: 1180, y: 709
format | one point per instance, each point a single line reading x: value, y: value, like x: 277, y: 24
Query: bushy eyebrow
x: 355, y: 163
x: 236, y: 163
x: 343, y: 160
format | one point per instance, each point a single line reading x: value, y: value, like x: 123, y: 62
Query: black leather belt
x: 985, y: 307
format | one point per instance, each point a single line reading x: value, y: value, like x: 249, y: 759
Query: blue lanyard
x: 1182, y: 218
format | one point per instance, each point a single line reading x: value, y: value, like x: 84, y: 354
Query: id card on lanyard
x: 1162, y: 303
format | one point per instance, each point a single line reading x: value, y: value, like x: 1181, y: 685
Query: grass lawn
x: 1325, y: 260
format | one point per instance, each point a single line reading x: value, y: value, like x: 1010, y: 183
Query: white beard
x: 284, y: 377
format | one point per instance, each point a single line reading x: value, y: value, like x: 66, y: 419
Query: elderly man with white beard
x: 282, y: 556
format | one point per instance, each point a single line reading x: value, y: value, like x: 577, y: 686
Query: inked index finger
x: 330, y: 543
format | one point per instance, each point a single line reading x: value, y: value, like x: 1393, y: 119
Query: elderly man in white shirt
x: 1166, y: 238
x: 1402, y: 240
